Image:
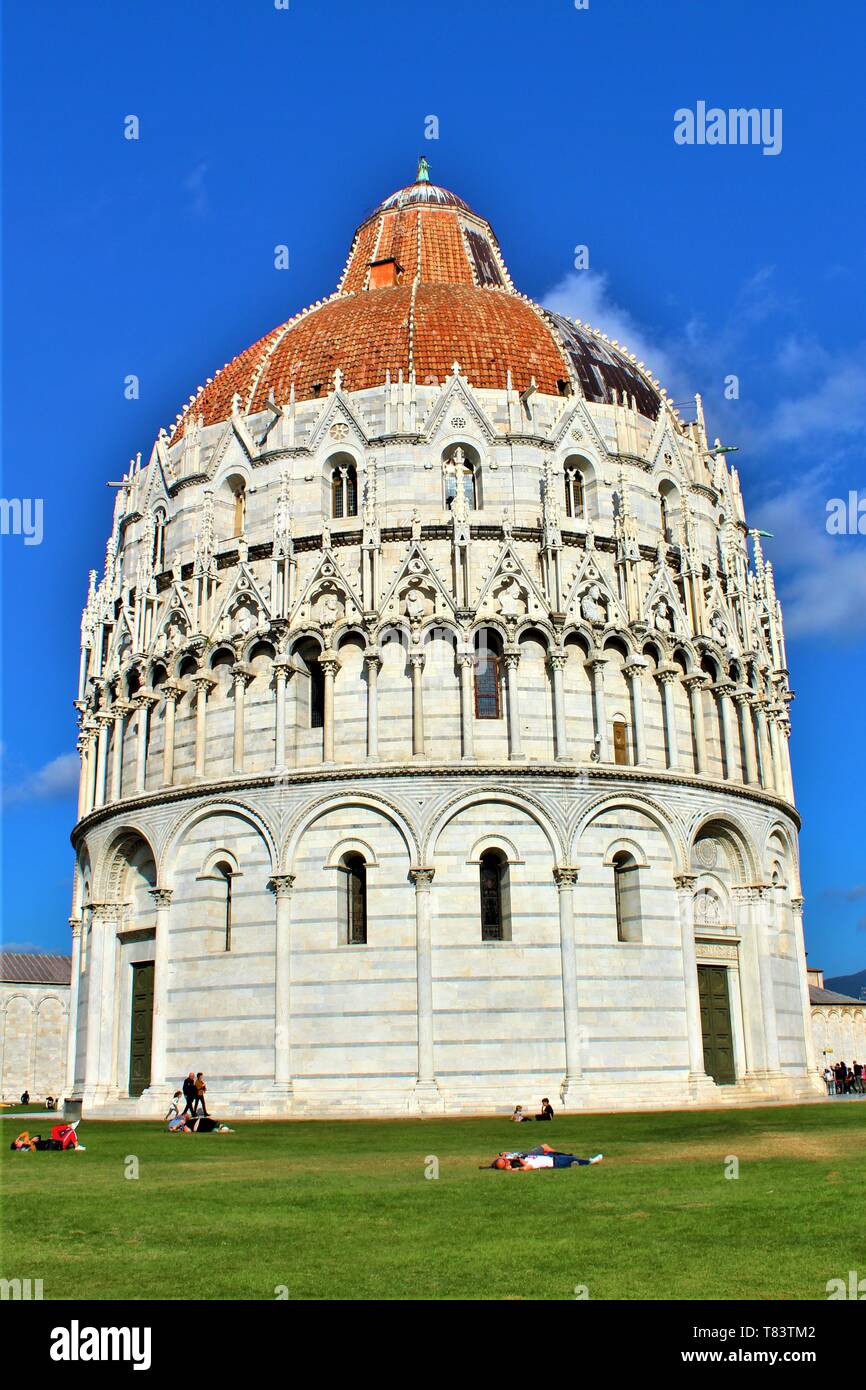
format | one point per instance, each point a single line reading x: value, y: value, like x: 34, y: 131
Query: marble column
x: 595, y: 665
x: 763, y: 742
x: 241, y: 677
x: 803, y: 983
x: 83, y: 774
x: 722, y: 690
x: 695, y: 686
x: 120, y: 709
x: 203, y: 684
x: 99, y: 1047
x: 282, y: 668
x: 416, y: 666
x: 666, y: 678
x: 787, y: 774
x: 103, y: 722
x: 776, y: 752
x: 511, y: 657
x: 426, y: 1087
x: 754, y: 906
x: 685, y: 886
x: 161, y: 955
x: 281, y: 886
x: 74, y: 985
x: 466, y: 662
x: 144, y: 702
x: 172, y: 692
x: 556, y: 662
x: 743, y: 701
x: 634, y: 671
x: 373, y: 663
x: 330, y: 664
x: 565, y: 876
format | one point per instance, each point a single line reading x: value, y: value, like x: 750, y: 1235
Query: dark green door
x: 716, y: 1024
x: 141, y: 1030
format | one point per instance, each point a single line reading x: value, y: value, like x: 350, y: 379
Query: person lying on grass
x: 196, y: 1124
x: 62, y: 1137
x: 542, y: 1157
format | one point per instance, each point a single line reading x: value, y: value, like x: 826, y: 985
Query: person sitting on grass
x: 542, y: 1157
x: 546, y: 1110
x: 518, y: 1117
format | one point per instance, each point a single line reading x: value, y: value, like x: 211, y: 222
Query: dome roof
x: 424, y: 286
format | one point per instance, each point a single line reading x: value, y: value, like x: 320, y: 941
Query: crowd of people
x: 842, y: 1080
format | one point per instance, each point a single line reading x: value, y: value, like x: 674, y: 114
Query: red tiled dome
x: 424, y: 286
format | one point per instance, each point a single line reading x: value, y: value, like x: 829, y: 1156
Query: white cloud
x: 800, y: 421
x: 56, y: 781
x: 584, y: 295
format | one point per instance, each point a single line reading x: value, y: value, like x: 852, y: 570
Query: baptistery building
x: 434, y: 717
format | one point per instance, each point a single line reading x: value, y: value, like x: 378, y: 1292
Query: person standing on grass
x: 189, y: 1094
x: 200, y: 1089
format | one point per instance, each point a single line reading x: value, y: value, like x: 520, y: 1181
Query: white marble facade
x: 581, y: 676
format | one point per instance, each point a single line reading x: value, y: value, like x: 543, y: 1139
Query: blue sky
x: 262, y: 126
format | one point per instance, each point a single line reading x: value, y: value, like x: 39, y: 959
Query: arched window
x: 495, y: 906
x: 225, y: 872
x: 158, y: 557
x: 668, y: 501
x: 488, y: 677
x: 240, y: 508
x: 344, y: 490
x: 354, y: 895
x: 626, y: 882
x: 575, y: 492
x: 307, y: 665
x: 460, y: 472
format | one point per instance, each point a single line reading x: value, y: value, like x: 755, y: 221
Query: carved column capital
x: 203, y: 682
x: 557, y: 660
x: 422, y: 877
x: 241, y: 674
x: 281, y: 885
x: 329, y: 663
x: 105, y: 912
x: 75, y: 924
x: 373, y: 657
x: 511, y: 656
x: 565, y: 875
x: 161, y: 897
x: 685, y: 883
x: 695, y: 680
x: 282, y: 669
x: 173, y: 690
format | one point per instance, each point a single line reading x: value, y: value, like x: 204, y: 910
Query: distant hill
x: 848, y: 984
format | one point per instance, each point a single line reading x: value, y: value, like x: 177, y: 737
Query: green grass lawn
x: 343, y: 1209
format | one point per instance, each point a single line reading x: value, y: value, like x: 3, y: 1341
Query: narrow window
x: 575, y: 500
x: 355, y: 900
x: 493, y: 879
x: 240, y: 514
x: 620, y: 742
x: 317, y: 696
x: 488, y: 704
x: 225, y: 872
x: 344, y: 491
x: 626, y: 883
x: 159, y: 542
x: 663, y: 517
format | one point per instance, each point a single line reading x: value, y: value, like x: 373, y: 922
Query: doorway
x: 716, y: 1024
x: 141, y: 1027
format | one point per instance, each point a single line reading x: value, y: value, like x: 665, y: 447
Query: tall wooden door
x: 141, y: 1028
x: 716, y: 1024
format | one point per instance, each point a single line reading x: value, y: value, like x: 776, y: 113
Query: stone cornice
x: 633, y: 778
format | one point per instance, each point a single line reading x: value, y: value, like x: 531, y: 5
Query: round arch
x: 340, y: 801
x: 734, y: 834
x: 520, y: 802
x: 198, y: 813
x: 114, y: 857
x: 632, y: 801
